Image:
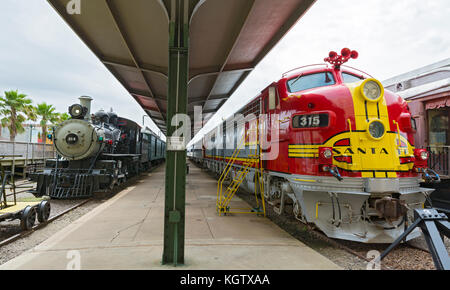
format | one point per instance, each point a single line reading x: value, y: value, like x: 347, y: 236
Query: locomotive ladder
x: 252, y: 160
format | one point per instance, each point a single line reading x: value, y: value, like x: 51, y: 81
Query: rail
x: 439, y: 159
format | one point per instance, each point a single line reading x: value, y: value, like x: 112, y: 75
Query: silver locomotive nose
x: 72, y: 139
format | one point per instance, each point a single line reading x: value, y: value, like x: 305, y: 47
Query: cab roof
x: 315, y: 68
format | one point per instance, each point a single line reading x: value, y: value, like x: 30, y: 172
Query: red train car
x: 342, y: 151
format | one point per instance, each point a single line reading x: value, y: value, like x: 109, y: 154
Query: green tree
x: 48, y: 116
x: 62, y: 117
x: 16, y: 109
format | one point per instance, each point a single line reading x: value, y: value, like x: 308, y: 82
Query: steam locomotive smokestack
x: 85, y: 101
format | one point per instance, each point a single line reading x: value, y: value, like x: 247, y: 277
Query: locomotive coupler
x: 429, y: 175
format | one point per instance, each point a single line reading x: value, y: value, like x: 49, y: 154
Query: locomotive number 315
x: 310, y: 121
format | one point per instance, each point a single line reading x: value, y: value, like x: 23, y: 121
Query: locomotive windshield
x: 306, y: 82
x: 350, y: 78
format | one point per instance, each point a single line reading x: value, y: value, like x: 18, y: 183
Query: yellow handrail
x: 227, y: 169
x: 399, y: 143
x: 254, y: 159
x: 235, y: 186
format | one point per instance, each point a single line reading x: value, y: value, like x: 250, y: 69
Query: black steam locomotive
x: 96, y: 153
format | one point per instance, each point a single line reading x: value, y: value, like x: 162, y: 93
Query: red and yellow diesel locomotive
x: 346, y: 160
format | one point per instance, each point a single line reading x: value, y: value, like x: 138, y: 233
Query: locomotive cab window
x: 306, y: 82
x: 349, y: 78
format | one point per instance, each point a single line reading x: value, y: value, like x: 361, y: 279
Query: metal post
x: 13, y: 172
x: 26, y: 163
x: 43, y: 152
x: 32, y: 153
x: 13, y: 167
x: 174, y: 211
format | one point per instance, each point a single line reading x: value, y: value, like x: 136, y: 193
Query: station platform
x: 126, y: 232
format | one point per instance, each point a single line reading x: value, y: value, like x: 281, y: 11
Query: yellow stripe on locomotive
x: 374, y: 147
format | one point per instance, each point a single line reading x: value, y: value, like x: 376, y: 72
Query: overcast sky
x: 43, y: 58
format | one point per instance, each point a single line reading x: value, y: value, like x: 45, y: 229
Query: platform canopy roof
x: 227, y: 40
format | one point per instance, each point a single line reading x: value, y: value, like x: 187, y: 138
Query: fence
x: 439, y: 159
x: 25, y: 154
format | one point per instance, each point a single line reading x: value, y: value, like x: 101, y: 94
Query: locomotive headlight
x: 421, y: 158
x: 376, y: 129
x: 327, y: 153
x: 77, y: 111
x: 424, y: 155
x: 372, y: 90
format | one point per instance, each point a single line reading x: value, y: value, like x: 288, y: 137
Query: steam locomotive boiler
x: 95, y: 153
x: 345, y: 159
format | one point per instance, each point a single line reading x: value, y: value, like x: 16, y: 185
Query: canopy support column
x: 175, y: 191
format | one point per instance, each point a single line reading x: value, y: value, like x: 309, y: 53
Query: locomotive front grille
x: 70, y: 184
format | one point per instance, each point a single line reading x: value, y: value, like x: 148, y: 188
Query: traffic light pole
x: 175, y: 191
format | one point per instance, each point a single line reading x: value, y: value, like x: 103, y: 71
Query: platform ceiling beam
x: 116, y: 20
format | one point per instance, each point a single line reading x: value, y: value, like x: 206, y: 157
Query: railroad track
x: 355, y: 249
x: 41, y: 225
x: 337, y: 244
x: 108, y: 195
x: 333, y: 242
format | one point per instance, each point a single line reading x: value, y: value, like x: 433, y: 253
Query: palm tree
x: 48, y: 115
x: 16, y: 109
x: 62, y: 117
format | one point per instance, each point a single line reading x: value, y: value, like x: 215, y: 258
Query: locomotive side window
x: 266, y: 104
x: 310, y: 121
x: 414, y: 124
x: 306, y: 82
x: 349, y: 78
x: 272, y: 98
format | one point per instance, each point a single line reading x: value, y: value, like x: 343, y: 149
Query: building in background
x: 32, y: 134
x: 427, y: 91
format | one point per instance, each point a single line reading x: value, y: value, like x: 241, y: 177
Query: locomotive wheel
x: 43, y: 211
x: 28, y: 218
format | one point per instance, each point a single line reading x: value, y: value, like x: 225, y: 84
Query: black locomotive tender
x: 96, y: 153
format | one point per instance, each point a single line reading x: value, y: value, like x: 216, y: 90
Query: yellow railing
x: 227, y: 170
x: 252, y: 160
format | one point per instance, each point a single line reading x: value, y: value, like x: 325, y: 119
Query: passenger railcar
x: 346, y: 160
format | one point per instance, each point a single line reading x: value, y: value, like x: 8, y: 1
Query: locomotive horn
x: 346, y: 52
x: 354, y: 54
x: 333, y: 54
